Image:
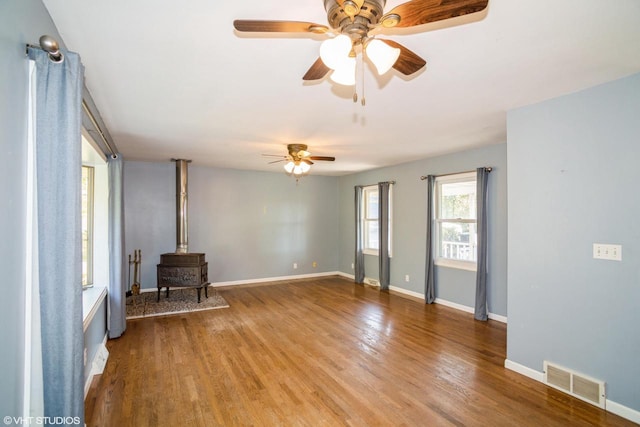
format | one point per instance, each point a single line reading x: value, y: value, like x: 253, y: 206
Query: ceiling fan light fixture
x: 304, y: 168
x: 288, y: 167
x: 297, y: 168
x: 346, y: 74
x: 334, y: 52
x: 382, y: 55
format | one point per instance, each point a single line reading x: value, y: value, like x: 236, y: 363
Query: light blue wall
x: 255, y: 225
x: 409, y: 233
x: 21, y: 22
x: 250, y: 225
x: 94, y: 336
x: 573, y: 181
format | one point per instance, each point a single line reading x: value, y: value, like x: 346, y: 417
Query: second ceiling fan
x: 299, y: 160
x: 355, y: 24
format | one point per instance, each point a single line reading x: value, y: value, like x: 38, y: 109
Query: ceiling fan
x: 299, y: 160
x: 355, y: 24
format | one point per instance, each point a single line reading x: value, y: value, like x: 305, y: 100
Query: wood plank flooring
x: 322, y: 352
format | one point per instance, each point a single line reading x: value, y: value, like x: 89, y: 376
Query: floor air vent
x: 575, y: 384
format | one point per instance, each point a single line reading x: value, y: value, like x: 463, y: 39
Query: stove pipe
x: 182, y: 235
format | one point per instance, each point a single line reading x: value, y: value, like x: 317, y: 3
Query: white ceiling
x: 173, y: 79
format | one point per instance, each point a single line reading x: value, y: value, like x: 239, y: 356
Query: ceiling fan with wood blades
x: 299, y: 160
x: 355, y: 24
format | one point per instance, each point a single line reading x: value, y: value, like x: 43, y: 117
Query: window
x: 94, y: 214
x: 369, y: 211
x: 455, y: 215
x: 94, y: 226
x: 87, y: 225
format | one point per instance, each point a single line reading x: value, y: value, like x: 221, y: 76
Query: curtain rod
x: 488, y: 169
x: 370, y: 185
x: 95, y: 124
x: 50, y: 45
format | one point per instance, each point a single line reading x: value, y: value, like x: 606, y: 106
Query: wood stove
x: 182, y: 269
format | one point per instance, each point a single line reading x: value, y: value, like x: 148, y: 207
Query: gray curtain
x: 117, y: 278
x: 481, y: 272
x: 359, y: 256
x: 429, y: 276
x: 383, y: 236
x: 58, y: 170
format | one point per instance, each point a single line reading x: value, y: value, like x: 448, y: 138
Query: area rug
x: 181, y: 300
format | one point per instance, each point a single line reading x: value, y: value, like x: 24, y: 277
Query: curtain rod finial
x: 50, y: 45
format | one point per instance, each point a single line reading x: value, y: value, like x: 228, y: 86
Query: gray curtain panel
x: 58, y: 168
x: 359, y: 255
x: 429, y: 281
x: 383, y: 236
x: 117, y: 278
x: 481, y: 272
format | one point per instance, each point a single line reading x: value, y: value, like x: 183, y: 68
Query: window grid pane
x: 371, y: 234
x: 458, y: 200
x: 458, y: 240
x: 371, y: 204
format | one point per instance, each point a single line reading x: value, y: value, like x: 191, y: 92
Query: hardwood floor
x: 322, y: 352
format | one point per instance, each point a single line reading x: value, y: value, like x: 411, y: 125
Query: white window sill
x: 91, y: 299
x: 373, y: 253
x: 453, y: 263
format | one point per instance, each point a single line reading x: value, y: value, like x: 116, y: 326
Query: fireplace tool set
x: 134, y: 288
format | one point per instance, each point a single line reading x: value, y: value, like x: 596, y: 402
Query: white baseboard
x: 418, y: 295
x: 467, y: 309
x: 261, y: 280
x: 611, y: 406
x: 498, y: 318
x: 623, y: 411
x: 274, y: 279
x: 523, y: 370
x: 455, y: 305
x: 98, y: 363
x: 412, y: 294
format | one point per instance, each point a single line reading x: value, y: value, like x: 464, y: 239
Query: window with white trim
x: 369, y: 209
x: 94, y: 214
x: 456, y: 238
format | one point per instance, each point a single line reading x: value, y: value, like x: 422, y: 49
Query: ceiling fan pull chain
x: 355, y: 86
x: 362, y: 101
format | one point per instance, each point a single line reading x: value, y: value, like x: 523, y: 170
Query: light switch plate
x: 607, y: 251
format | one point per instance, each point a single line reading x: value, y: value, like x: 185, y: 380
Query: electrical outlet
x: 314, y: 264
x: 352, y: 267
x: 406, y: 277
x: 295, y: 265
